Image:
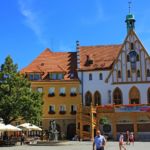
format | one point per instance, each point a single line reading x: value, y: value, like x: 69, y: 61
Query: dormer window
x: 88, y: 61
x: 56, y: 76
x: 31, y: 77
x: 36, y: 76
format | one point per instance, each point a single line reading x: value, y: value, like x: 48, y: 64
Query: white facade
x: 130, y: 76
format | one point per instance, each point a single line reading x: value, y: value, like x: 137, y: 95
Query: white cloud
x: 32, y: 19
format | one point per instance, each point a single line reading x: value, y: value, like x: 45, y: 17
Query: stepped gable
x: 98, y: 57
x: 54, y: 62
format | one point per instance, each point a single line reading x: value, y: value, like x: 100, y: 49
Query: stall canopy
x: 2, y: 127
x: 29, y: 127
x: 10, y: 127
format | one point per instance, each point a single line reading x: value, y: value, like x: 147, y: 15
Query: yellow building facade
x: 54, y: 74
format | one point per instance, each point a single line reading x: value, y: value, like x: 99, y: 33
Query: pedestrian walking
x: 22, y: 138
x: 99, y: 141
x: 121, y: 142
x: 131, y: 138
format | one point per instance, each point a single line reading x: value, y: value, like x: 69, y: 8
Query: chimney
x: 78, y: 54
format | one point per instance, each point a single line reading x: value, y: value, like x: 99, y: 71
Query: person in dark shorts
x: 99, y: 141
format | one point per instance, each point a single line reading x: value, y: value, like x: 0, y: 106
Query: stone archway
x: 134, y: 96
x: 71, y: 131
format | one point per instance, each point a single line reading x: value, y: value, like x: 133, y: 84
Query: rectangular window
x: 51, y: 90
x: 73, y: 108
x: 62, y: 108
x: 40, y: 89
x: 51, y: 108
x: 60, y: 76
x: 62, y: 90
x: 54, y: 76
x: 73, y: 91
x: 50, y: 76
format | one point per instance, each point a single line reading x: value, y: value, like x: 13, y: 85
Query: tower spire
x: 130, y: 20
x: 129, y: 3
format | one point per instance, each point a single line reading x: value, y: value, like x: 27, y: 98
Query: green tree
x: 17, y: 100
x: 104, y: 121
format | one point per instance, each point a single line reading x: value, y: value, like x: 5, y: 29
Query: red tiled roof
x: 48, y: 61
x: 102, y: 56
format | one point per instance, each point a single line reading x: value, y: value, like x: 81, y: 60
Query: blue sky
x: 29, y: 26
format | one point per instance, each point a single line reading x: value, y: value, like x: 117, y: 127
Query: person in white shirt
x: 121, y: 142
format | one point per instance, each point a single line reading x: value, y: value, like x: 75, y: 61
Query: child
x: 121, y: 142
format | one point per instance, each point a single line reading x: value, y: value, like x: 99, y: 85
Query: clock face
x: 132, y: 58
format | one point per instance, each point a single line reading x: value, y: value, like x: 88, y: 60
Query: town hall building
x: 95, y: 83
x: 115, y: 81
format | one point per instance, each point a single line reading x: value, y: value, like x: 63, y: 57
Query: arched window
x: 148, y: 96
x: 101, y: 76
x: 117, y: 96
x: 119, y: 74
x: 134, y: 96
x: 148, y: 73
x: 97, y: 98
x: 90, y: 76
x: 138, y: 73
x: 88, y: 99
x: 129, y: 74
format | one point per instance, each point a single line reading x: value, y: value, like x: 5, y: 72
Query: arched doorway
x: 97, y: 98
x: 117, y: 96
x: 71, y: 131
x: 134, y: 96
x: 88, y: 99
x: 148, y: 95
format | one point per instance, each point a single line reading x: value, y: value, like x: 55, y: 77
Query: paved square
x: 80, y: 146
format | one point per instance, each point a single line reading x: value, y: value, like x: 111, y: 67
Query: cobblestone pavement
x: 80, y: 146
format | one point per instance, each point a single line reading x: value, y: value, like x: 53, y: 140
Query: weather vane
x: 129, y: 6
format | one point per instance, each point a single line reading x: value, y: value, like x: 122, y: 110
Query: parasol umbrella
x: 29, y: 127
x: 10, y: 127
x: 2, y: 127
